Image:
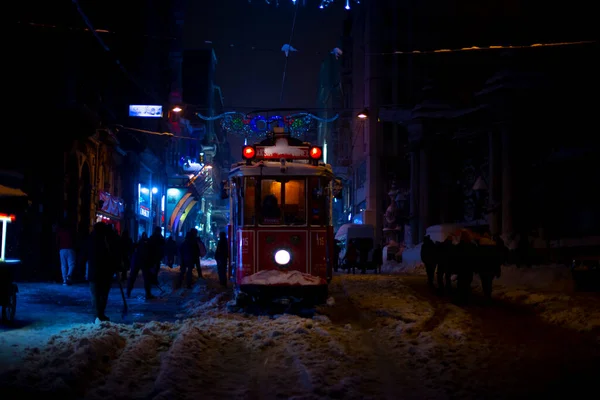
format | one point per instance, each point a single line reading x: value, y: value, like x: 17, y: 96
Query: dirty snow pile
x: 234, y: 356
x: 276, y: 277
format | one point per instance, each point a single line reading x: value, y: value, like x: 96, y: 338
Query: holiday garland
x: 258, y: 126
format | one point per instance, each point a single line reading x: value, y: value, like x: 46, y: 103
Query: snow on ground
x: 548, y: 288
x: 376, y: 338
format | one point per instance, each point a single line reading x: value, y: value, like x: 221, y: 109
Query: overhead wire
x: 287, y: 56
x: 107, y: 49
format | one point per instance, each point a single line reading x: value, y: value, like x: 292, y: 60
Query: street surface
x: 380, y: 337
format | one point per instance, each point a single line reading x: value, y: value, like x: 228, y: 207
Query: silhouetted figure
x: 429, y: 258
x: 201, y: 253
x: 157, y: 253
x: 336, y: 254
x: 221, y: 256
x: 101, y: 268
x: 270, y: 207
x: 351, y: 256
x: 170, y: 251
x: 378, y: 257
x: 65, y: 238
x: 141, y: 261
x: 487, y: 263
x: 465, y: 264
x: 190, y: 254
x: 445, y: 251
x: 127, y: 252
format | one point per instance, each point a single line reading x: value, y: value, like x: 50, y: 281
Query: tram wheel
x: 9, y: 309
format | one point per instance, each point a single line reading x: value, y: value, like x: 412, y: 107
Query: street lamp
x: 364, y: 114
x: 177, y: 109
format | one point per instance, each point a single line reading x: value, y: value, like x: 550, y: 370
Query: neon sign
x: 145, y: 212
x: 145, y: 111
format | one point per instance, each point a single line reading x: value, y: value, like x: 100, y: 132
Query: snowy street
x: 379, y: 337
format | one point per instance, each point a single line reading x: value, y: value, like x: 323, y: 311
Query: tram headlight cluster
x: 282, y: 257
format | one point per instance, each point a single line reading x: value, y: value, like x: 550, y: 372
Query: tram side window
x: 249, y: 201
x: 270, y: 200
x: 318, y: 201
x: 295, y: 202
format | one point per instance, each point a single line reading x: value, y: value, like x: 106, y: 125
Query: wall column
x: 414, y: 197
x: 495, y: 182
x: 424, y: 190
x: 507, y: 183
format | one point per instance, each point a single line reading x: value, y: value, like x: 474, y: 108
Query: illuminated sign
x: 282, y: 149
x: 145, y: 111
x: 145, y: 212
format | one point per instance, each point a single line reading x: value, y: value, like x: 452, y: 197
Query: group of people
x: 107, y: 254
x: 192, y: 250
x: 483, y: 256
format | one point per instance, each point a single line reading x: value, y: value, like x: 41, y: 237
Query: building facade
x: 464, y: 137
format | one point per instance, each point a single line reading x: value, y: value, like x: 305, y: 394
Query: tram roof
x: 274, y: 168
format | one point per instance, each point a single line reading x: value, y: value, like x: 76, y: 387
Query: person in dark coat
x: 190, y: 255
x: 429, y: 258
x: 140, y: 261
x: 157, y: 253
x: 101, y: 268
x: 444, y: 267
x: 221, y: 256
x: 170, y: 251
x: 465, y: 266
x: 351, y: 255
x: 127, y: 252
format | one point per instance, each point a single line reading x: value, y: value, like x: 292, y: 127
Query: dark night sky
x: 252, y: 78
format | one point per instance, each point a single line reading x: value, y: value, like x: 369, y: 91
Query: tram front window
x: 249, y: 201
x: 283, y: 204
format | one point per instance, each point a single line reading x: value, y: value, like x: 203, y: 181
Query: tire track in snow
x: 134, y: 371
x: 385, y: 376
x: 202, y: 362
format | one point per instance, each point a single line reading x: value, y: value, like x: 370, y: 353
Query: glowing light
x: 316, y: 153
x: 282, y: 257
x: 364, y: 114
x: 347, y: 4
x: 144, y: 190
x: 177, y: 109
x: 249, y: 152
x: 5, y: 220
x: 154, y: 190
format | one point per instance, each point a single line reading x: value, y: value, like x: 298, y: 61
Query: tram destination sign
x: 286, y: 152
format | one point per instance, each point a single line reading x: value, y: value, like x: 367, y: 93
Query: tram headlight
x: 282, y: 257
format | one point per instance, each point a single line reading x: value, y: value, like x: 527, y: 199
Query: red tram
x: 280, y: 228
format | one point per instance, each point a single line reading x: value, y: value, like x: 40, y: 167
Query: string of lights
x: 482, y: 48
x: 167, y: 134
x: 252, y: 48
x: 322, y: 3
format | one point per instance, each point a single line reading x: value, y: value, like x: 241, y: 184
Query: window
x: 295, y: 202
x: 270, y: 200
x: 283, y: 202
x: 318, y: 201
x: 249, y: 201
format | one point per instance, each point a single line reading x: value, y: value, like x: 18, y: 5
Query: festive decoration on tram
x: 257, y: 126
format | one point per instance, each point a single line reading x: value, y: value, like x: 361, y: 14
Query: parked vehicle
x: 357, y: 238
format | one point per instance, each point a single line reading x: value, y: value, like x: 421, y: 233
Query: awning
x: 6, y: 191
